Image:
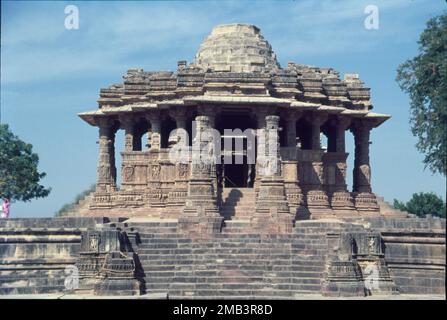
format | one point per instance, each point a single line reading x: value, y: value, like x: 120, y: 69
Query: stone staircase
x: 233, y: 264
x: 35, y: 252
x: 238, y: 203
x: 81, y: 208
x: 28, y: 280
x: 387, y: 209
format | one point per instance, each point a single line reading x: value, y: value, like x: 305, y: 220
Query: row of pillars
x: 106, y: 179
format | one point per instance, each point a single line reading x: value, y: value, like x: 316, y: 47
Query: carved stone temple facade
x: 235, y: 82
x: 228, y: 190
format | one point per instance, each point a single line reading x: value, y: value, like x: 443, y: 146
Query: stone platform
x: 150, y: 258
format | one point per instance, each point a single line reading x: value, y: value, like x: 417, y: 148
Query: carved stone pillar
x: 200, y: 215
x: 154, y: 135
x: 155, y: 194
x: 128, y: 124
x: 106, y: 172
x: 365, y: 200
x: 316, y: 198
x: 272, y: 214
x: 316, y: 122
x: 180, y: 157
x: 211, y: 114
x: 260, y: 145
x: 291, y: 119
x: 341, y: 199
x: 294, y: 194
x: 341, y: 125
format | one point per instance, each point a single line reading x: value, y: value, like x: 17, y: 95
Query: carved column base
x: 272, y: 222
x: 200, y: 217
x: 318, y: 204
x: 342, y: 204
x: 105, y: 264
x: 376, y: 276
x: 272, y: 215
x: 272, y: 195
x: 200, y: 222
x: 117, y: 276
x: 343, y: 279
x: 317, y: 199
x: 101, y: 200
x: 177, y: 197
x: 366, y: 203
x: 295, y: 197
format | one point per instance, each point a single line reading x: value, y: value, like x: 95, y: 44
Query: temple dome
x: 236, y: 48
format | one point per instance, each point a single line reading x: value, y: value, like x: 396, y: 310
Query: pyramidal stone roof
x: 236, y: 48
x: 236, y: 66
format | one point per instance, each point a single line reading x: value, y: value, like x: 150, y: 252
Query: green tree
x: 19, y: 177
x: 424, y: 78
x: 423, y: 203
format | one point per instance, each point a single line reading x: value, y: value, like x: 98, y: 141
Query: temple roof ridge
x: 236, y: 47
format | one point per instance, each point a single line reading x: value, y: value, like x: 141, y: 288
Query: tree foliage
x: 423, y: 203
x: 424, y: 78
x: 19, y: 176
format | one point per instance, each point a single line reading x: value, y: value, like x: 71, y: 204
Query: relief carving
x: 183, y: 170
x: 155, y: 171
x: 128, y: 174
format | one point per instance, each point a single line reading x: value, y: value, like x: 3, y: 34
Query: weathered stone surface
x: 317, y: 256
x: 287, y: 226
x: 234, y: 74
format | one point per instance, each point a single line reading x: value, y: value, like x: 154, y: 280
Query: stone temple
x: 227, y: 190
x: 235, y: 82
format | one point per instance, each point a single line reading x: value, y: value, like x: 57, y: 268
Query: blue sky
x: 49, y: 74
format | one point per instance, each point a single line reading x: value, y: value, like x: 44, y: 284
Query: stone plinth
x: 201, y: 215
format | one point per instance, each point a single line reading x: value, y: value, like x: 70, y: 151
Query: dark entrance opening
x: 236, y: 174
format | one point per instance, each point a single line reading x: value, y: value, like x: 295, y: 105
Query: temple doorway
x: 238, y: 175
x: 237, y: 169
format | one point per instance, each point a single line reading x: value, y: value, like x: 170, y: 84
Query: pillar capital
x: 358, y: 125
x: 177, y: 112
x: 209, y: 112
x: 105, y: 122
x: 317, y: 118
x: 126, y: 122
x: 291, y: 116
x: 261, y: 113
x: 343, y: 122
x: 153, y: 116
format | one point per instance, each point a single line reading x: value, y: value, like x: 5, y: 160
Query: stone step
x: 221, y: 274
x: 237, y: 207
x: 231, y: 262
x: 225, y: 268
x: 278, y: 292
x: 246, y: 199
x: 156, y: 269
x: 218, y: 281
x: 254, y: 248
x: 206, y: 255
x: 31, y: 290
x: 21, y: 282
